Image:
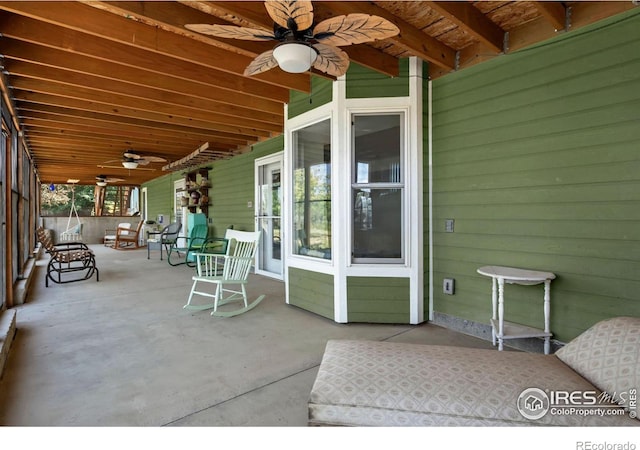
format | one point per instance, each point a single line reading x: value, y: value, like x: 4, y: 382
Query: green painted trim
x: 312, y: 291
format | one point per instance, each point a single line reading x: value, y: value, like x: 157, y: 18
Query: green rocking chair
x: 191, y: 244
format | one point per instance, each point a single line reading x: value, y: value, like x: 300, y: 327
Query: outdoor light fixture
x: 294, y: 57
x: 130, y: 164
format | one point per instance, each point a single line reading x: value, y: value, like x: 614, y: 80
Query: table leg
x: 500, y: 313
x: 494, y: 311
x: 547, y: 313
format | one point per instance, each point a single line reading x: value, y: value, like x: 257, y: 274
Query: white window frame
x: 315, y: 116
x: 387, y: 185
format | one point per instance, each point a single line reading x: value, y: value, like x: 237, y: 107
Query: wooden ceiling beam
x: 100, y: 83
x: 102, y: 126
x: 84, y: 64
x: 90, y: 20
x: 25, y: 111
x: 206, y: 121
x: 173, y: 16
x: 164, y: 146
x: 166, y: 102
x: 118, y: 130
x: 85, y: 49
x: 410, y: 38
x: 468, y: 17
x: 554, y: 13
x: 227, y: 141
x: 37, y: 127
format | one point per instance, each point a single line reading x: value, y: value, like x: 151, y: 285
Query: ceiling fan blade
x: 263, y: 62
x: 331, y: 60
x: 154, y: 159
x: 354, y: 29
x: 124, y: 168
x: 296, y: 15
x: 131, y: 154
x: 232, y: 32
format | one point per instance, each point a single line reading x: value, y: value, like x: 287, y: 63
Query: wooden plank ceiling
x: 88, y: 80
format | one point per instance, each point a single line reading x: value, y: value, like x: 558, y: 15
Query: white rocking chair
x: 231, y: 268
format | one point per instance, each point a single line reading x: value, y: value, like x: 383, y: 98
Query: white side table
x: 502, y: 330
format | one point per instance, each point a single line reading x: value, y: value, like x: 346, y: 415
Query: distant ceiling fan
x: 103, y: 180
x: 131, y: 160
x: 303, y: 45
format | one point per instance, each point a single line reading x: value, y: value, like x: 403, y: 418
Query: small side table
x: 500, y: 329
x: 154, y: 242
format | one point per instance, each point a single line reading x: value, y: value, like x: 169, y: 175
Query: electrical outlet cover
x: 448, y: 286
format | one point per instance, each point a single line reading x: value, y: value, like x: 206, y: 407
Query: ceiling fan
x: 131, y: 160
x: 303, y: 45
x: 103, y: 180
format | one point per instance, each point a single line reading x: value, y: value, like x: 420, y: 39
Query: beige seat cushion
x: 608, y: 355
x: 393, y: 384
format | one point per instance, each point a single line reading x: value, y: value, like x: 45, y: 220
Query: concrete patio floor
x: 123, y: 352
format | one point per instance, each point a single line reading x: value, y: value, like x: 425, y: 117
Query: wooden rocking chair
x: 231, y: 268
x: 126, y: 240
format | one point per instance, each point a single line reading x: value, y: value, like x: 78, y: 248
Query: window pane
x: 377, y: 223
x: 312, y: 190
x: 377, y: 149
x: 378, y: 188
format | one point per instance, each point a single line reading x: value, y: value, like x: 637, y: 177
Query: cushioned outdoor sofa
x: 367, y: 383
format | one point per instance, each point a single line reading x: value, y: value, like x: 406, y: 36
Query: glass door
x: 268, y: 215
x: 180, y: 210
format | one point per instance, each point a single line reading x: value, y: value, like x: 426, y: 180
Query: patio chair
x: 110, y: 234
x: 125, y: 240
x: 165, y: 238
x: 192, y: 243
x: 221, y: 270
x: 74, y: 260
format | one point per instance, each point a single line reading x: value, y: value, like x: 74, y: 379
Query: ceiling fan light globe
x: 130, y: 164
x: 294, y: 57
x: 101, y: 183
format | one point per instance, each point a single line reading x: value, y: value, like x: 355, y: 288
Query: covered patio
x: 123, y: 352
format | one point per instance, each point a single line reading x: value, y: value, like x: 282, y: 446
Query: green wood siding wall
x: 160, y: 197
x: 232, y: 187
x: 312, y: 291
x: 378, y: 300
x: 301, y: 102
x: 365, y: 83
x: 361, y: 83
x: 536, y: 158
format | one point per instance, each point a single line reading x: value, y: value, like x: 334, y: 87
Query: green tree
x: 57, y: 202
